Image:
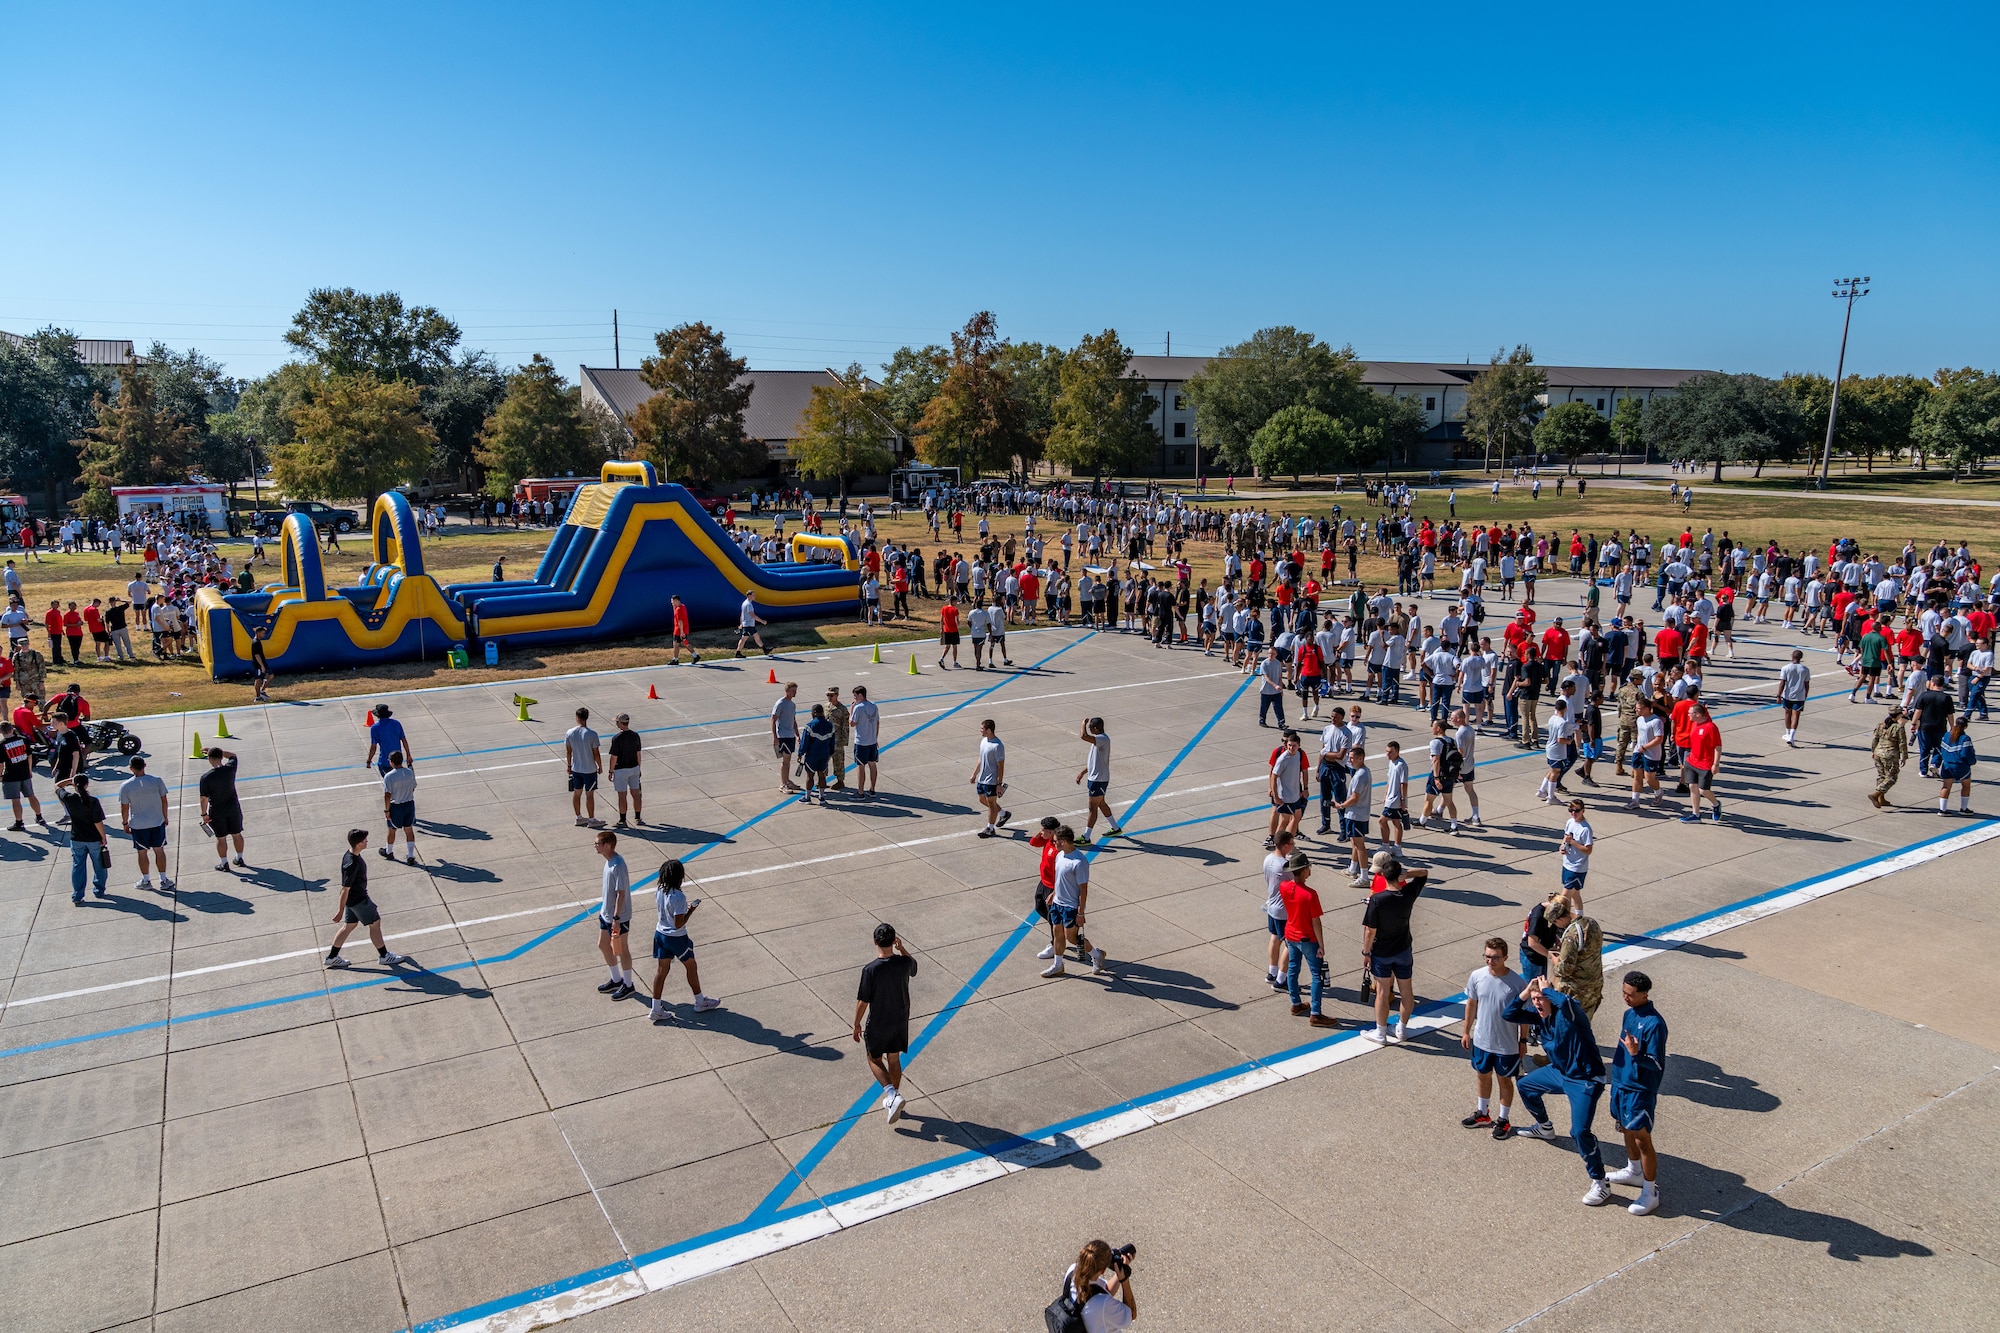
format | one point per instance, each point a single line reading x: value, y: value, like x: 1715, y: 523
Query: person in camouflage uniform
x: 1891, y: 748
x: 1579, y: 963
x: 1628, y: 720
x: 31, y: 673
x: 836, y: 712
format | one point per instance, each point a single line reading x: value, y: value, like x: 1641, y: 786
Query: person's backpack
x: 1065, y: 1313
x: 1451, y: 761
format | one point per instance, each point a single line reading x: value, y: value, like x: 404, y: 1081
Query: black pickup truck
x: 268, y: 521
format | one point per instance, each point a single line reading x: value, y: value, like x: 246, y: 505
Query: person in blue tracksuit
x: 1575, y: 1070
x: 1637, y: 1066
x: 1955, y: 758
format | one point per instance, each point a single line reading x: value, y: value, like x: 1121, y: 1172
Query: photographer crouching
x: 1096, y: 1292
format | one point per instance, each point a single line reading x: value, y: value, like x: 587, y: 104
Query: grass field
x: 466, y: 553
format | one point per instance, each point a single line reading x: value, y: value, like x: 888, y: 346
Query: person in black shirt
x: 1387, y: 948
x: 114, y: 625
x: 259, y: 664
x: 882, y: 1015
x: 88, y: 845
x: 220, y: 809
x: 625, y: 749
x: 1933, y: 710
x: 17, y: 776
x: 355, y: 907
x: 1528, y: 692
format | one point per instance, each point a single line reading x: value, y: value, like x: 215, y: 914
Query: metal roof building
x: 91, y: 351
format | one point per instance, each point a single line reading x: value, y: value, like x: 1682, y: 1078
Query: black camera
x: 1122, y: 1257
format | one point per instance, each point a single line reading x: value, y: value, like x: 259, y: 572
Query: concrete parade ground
x: 202, y: 1128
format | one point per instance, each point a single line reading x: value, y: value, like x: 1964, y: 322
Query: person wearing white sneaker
x: 355, y: 907
x: 142, y: 809
x: 221, y: 811
x: 882, y: 1015
x: 1575, y: 1070
x: 1794, y: 685
x: 1387, y: 946
x: 399, y: 807
x: 1495, y: 1045
x: 670, y: 940
x: 1638, y: 1064
x: 1068, y: 893
x: 1274, y: 904
x: 989, y: 778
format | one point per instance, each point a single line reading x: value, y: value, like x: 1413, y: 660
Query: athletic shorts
x: 614, y: 927
x: 1475, y: 696
x: 787, y: 745
x: 948, y: 639
x: 1795, y: 705
x: 879, y: 1042
x: 1492, y: 1062
x: 362, y: 913
x: 1350, y: 829
x: 1398, y: 966
x: 15, y: 790
x: 225, y: 820
x: 672, y: 946
x: 1397, y: 813
x: 867, y: 754
x: 583, y: 782
x: 1632, y: 1109
x: 988, y: 789
x: 1097, y: 788
x: 1276, y: 925
x: 402, y: 814
x: 1700, y: 778
x: 1060, y: 915
x: 1297, y: 807
x: 1641, y: 764
x: 625, y: 779
x: 147, y: 838
x: 1437, y: 786
x: 1573, y: 879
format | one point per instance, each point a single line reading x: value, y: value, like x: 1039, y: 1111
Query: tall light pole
x: 1848, y: 290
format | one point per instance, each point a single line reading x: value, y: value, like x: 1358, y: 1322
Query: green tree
x: 1628, y: 424
x: 1960, y: 420
x: 1571, y: 430
x: 844, y: 431
x: 1103, y: 417
x: 47, y: 400
x: 1034, y: 375
x: 1296, y: 440
x: 1504, y: 401
x: 1878, y: 415
x: 1382, y: 428
x: 910, y: 379
x: 195, y: 388
x: 357, y: 436
x: 457, y: 404
x: 974, y: 420
x: 346, y: 332
x: 538, y: 430
x: 1717, y: 419
x: 691, y: 429
x: 134, y: 443
x: 1275, y: 368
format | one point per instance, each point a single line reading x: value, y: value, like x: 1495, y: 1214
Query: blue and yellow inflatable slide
x: 627, y: 542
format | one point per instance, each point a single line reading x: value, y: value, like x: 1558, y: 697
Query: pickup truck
x: 268, y: 521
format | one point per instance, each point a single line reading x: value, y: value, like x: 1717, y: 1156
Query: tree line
x: 381, y: 393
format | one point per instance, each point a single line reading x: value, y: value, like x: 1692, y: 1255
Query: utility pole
x: 1848, y: 290
x: 1170, y: 342
x: 615, y: 364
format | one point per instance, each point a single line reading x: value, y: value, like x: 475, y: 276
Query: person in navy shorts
x: 1637, y: 1065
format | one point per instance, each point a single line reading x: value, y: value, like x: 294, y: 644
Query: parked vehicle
x: 268, y: 521
x: 101, y: 735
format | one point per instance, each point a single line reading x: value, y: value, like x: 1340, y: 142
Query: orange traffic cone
x: 774, y: 677
x: 652, y: 692
x: 369, y: 721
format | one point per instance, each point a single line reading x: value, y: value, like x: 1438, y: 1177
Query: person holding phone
x: 670, y: 941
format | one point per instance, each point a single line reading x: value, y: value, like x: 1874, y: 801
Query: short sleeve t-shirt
x: 1274, y: 875
x: 625, y: 746
x: 1490, y: 1030
x: 1389, y: 913
x: 1360, y: 786
x: 401, y: 785
x: 1097, y: 765
x: 866, y: 720
x: 146, y: 795
x: 1704, y: 743
x: 785, y: 713
x: 670, y: 903
x: 1395, y: 784
x: 1795, y: 680
x: 219, y: 785
x: 1072, y: 872
x: 582, y: 745
x: 885, y: 989
x: 1577, y: 831
x: 387, y: 737
x: 1302, y: 908
x: 1291, y: 783
x: 992, y: 754
x: 354, y: 877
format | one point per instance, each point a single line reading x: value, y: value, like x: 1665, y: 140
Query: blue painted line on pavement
x: 797, y: 1175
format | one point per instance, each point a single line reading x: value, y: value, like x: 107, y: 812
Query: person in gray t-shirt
x: 785, y: 734
x: 1096, y: 771
x: 142, y: 809
x: 585, y: 762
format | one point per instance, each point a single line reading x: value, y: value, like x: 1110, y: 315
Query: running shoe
x: 1532, y: 1130
x: 392, y: 959
x: 240, y: 861
x: 1005, y: 815
x: 1502, y: 1131
x: 1597, y: 1195
x: 1083, y: 839
x: 1647, y: 1202
x: 1113, y: 831
x: 222, y: 865
x: 1690, y: 818
x: 1628, y: 1174
x: 624, y: 991
x: 336, y: 961
x: 1054, y: 969
x: 704, y: 1003
x: 987, y: 832
x: 895, y: 1110
x: 609, y: 986
x: 1477, y: 1120
x: 1718, y: 813
x: 166, y: 885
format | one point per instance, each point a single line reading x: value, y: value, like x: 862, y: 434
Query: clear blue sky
x: 1670, y: 189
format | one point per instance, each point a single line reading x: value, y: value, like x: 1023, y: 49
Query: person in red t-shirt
x: 1704, y: 746
x: 1305, y: 940
x: 1697, y: 645
x: 1045, y: 887
x: 1678, y: 722
x: 1031, y: 593
x: 1667, y: 646
x: 682, y: 629
x: 948, y: 630
x: 52, y: 621
x: 1555, y: 642
x: 1516, y: 636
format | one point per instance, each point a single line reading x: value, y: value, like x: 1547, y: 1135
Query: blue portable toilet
x: 492, y: 653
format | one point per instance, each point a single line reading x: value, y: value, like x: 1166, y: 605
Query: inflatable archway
x: 298, y: 557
